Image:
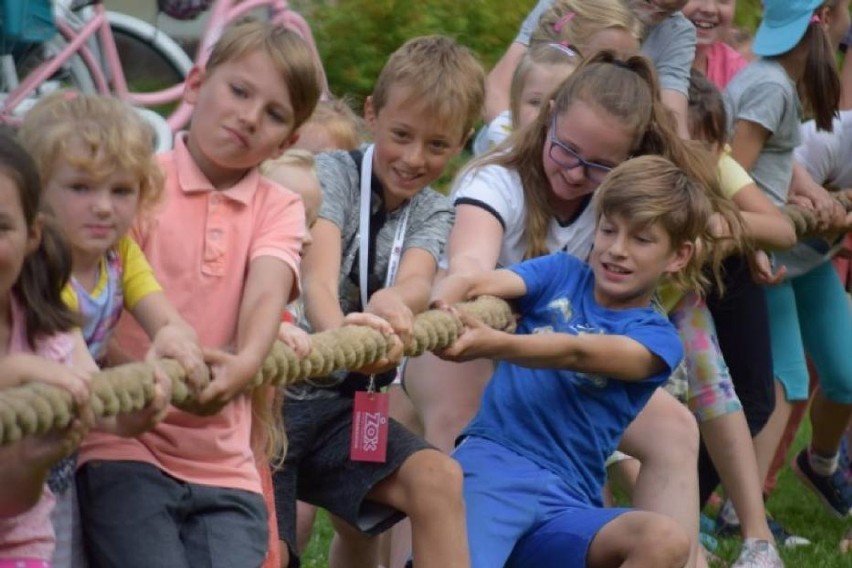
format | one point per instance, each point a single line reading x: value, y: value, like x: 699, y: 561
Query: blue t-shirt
x: 565, y: 421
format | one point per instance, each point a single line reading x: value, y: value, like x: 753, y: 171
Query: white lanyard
x: 364, y: 228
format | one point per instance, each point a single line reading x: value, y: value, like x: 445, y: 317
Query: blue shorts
x: 520, y: 514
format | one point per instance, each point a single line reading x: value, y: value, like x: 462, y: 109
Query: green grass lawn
x: 793, y: 505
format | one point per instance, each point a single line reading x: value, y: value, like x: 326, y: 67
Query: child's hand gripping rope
x: 36, y: 409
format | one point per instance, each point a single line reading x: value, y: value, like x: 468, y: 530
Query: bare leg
x: 664, y: 438
x: 285, y: 554
x: 428, y: 488
x: 639, y: 538
x: 396, y: 543
x: 623, y: 475
x: 446, y: 395
x: 306, y: 514
x: 766, y: 442
x: 729, y: 443
x: 350, y: 548
x: 829, y: 421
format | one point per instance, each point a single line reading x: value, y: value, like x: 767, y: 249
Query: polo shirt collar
x: 192, y: 180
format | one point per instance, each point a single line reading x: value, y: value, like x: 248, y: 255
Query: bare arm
x: 747, y: 142
x: 320, y: 275
x: 500, y: 79
x: 473, y: 247
x: 409, y: 294
x: 581, y: 353
x: 677, y: 103
x: 171, y: 336
x: 763, y: 220
x: 267, y: 287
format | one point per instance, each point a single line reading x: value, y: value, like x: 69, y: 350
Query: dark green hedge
x: 355, y: 37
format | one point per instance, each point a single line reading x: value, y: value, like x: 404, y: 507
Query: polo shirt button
x: 215, y: 198
x: 215, y: 234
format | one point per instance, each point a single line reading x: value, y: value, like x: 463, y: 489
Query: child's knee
x: 432, y: 477
x: 669, y: 434
x: 667, y: 542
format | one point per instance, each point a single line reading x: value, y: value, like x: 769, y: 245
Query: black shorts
x: 318, y: 469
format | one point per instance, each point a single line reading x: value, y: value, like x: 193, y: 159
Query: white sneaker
x: 758, y: 554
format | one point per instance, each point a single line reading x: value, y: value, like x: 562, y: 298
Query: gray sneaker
x: 758, y: 554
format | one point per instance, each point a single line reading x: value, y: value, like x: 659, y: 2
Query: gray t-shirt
x: 429, y: 223
x: 763, y: 93
x: 670, y: 45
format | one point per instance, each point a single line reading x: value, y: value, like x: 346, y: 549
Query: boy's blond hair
x: 96, y: 133
x: 290, y: 53
x: 576, y: 21
x: 651, y: 190
x: 440, y: 73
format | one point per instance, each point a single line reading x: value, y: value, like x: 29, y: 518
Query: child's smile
x: 413, y: 146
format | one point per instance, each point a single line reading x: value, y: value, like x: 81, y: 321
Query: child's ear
x: 680, y: 257
x: 370, y: 114
x: 193, y: 84
x: 34, y: 233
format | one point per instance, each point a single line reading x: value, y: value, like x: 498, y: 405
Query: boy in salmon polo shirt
x: 225, y: 246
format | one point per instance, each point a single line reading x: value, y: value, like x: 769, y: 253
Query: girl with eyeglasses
x: 533, y: 199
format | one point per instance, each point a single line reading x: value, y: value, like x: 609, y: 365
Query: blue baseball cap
x: 784, y: 24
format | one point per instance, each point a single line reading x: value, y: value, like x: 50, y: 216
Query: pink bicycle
x: 86, y: 53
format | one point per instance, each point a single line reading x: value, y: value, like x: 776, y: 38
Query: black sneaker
x: 835, y: 491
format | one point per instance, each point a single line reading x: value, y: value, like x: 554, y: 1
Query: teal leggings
x: 811, y: 314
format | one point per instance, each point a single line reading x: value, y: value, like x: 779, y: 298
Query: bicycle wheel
x: 150, y: 59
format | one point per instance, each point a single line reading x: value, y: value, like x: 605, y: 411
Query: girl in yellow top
x: 98, y: 169
x: 97, y: 165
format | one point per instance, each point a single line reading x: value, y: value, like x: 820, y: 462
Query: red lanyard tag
x: 369, y: 427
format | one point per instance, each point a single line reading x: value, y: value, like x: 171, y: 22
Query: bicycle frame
x: 108, y: 74
x: 77, y: 39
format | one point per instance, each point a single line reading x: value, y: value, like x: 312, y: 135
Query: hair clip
x: 560, y: 23
x: 565, y: 48
x: 815, y: 19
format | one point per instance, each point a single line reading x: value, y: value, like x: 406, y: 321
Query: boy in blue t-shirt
x: 589, y: 352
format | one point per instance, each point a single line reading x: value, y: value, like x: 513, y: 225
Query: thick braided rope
x: 37, y: 408
x: 805, y: 221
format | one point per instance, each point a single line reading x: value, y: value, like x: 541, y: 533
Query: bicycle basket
x: 183, y: 9
x: 26, y: 21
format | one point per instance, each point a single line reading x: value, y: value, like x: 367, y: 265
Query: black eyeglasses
x: 567, y: 158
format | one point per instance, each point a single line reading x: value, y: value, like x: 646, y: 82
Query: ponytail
x: 820, y: 86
